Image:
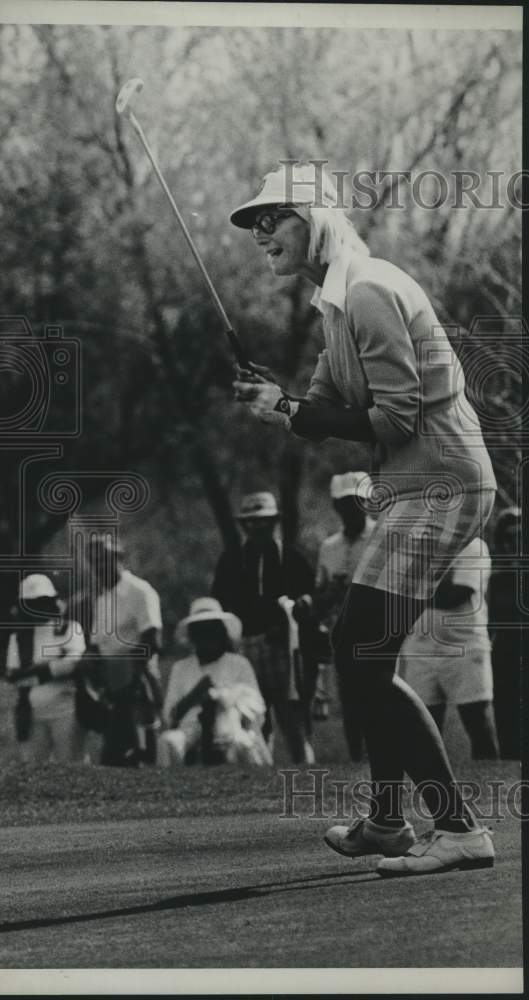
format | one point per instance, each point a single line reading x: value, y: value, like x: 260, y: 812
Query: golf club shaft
x: 235, y: 344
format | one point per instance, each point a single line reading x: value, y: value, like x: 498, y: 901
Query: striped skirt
x: 415, y: 541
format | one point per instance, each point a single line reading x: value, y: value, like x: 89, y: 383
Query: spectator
x: 213, y: 706
x: 250, y: 582
x: 504, y: 606
x: 337, y: 560
x: 42, y: 655
x: 122, y: 656
x: 447, y: 660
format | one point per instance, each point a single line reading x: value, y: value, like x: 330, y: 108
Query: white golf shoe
x: 366, y: 837
x: 441, y: 851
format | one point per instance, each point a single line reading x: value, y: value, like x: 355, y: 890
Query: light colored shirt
x: 386, y: 353
x: 339, y: 554
x: 62, y: 653
x: 228, y: 670
x: 121, y: 615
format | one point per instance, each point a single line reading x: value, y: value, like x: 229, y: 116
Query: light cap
x: 351, y: 484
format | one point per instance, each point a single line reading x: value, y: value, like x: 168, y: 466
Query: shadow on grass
x: 207, y: 898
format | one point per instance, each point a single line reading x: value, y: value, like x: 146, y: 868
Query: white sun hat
x: 292, y: 184
x: 36, y: 585
x: 208, y: 609
x: 351, y: 484
x: 258, y: 505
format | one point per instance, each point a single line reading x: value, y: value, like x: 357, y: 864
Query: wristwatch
x: 284, y: 405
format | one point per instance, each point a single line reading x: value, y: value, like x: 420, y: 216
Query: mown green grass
x: 58, y: 794
x: 54, y: 793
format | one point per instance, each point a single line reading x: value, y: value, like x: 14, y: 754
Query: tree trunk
x: 216, y: 493
x: 200, y: 454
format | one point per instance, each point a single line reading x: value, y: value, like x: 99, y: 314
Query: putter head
x: 127, y: 92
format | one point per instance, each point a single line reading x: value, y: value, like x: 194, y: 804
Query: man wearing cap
x: 389, y: 378
x: 250, y: 582
x: 42, y: 655
x: 447, y: 660
x: 125, y: 638
x: 340, y: 552
x: 337, y: 561
x: 213, y: 708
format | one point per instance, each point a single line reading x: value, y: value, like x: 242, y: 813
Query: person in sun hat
x: 213, y: 708
x: 254, y: 582
x: 337, y: 559
x: 43, y: 653
x: 389, y: 378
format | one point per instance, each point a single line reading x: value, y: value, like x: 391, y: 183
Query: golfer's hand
x: 256, y: 373
x: 260, y: 395
x: 262, y: 398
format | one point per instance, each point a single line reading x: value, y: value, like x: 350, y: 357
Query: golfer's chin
x: 280, y: 265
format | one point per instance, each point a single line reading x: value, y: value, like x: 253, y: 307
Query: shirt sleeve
x: 148, y: 610
x: 388, y: 357
x: 12, y: 660
x: 472, y: 570
x: 322, y: 389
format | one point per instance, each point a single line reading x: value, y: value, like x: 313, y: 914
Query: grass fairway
x: 106, y: 868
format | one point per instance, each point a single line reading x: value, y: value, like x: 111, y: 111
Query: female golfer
x: 387, y: 376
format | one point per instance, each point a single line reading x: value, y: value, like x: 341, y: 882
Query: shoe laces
x: 428, y: 836
x: 423, y: 842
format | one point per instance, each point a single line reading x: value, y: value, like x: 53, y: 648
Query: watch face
x: 283, y: 405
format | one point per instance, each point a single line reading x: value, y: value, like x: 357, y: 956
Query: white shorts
x: 445, y: 679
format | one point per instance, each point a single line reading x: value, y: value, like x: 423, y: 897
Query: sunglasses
x: 266, y: 222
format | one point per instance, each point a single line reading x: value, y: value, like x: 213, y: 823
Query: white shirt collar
x: 334, y: 288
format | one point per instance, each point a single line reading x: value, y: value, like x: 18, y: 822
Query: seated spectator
x: 213, y: 707
x: 447, y: 660
x: 42, y: 655
x: 505, y: 628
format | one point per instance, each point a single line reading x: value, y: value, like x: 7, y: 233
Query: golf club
x: 123, y: 102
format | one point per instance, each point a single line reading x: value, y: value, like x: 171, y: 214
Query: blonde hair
x: 331, y: 232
